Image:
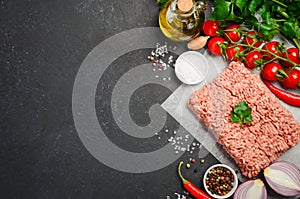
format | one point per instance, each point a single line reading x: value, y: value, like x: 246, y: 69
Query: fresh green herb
x: 221, y: 11
x: 291, y: 29
x: 241, y: 113
x: 162, y: 2
x: 270, y: 17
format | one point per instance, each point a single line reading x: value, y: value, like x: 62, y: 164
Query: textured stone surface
x: 43, y: 44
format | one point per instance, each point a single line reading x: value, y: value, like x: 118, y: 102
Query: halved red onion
x: 251, y: 189
x: 284, y: 178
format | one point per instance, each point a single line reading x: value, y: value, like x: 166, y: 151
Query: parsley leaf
x: 221, y: 10
x: 241, y: 4
x: 162, y: 2
x: 231, y: 15
x: 268, y: 17
x: 241, y: 113
x: 253, y: 4
x: 291, y: 29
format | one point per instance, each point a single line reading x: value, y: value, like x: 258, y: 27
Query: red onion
x: 251, y: 189
x: 284, y: 178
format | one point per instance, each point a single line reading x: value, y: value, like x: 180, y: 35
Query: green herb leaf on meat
x: 241, y: 113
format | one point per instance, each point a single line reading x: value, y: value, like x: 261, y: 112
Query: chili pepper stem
x: 190, y: 187
x: 184, y: 181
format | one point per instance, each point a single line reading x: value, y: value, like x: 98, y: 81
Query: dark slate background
x: 43, y: 44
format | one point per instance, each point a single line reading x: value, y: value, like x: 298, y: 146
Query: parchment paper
x: 176, y: 105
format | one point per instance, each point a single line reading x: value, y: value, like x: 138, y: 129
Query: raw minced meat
x: 257, y: 144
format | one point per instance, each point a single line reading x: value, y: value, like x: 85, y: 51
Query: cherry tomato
x: 232, y: 33
x: 291, y: 54
x: 234, y: 52
x: 214, y: 45
x: 270, y: 70
x: 251, y: 58
x: 272, y: 46
x: 292, y: 80
x: 253, y: 38
x: 210, y: 27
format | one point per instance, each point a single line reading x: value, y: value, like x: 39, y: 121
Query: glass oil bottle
x: 182, y: 20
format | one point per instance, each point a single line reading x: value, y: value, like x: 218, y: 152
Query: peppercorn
x: 219, y: 180
x: 188, y: 165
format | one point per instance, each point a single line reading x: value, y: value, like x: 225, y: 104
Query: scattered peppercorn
x: 202, y: 161
x: 188, y: 165
x: 193, y: 160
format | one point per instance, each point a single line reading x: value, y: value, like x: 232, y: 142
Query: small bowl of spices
x: 220, y: 181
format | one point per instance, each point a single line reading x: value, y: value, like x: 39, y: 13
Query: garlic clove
x: 198, y: 43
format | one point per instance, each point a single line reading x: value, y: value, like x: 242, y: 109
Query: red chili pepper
x: 287, y: 97
x: 191, y: 188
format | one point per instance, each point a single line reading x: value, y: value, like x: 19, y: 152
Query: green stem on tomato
x: 279, y: 57
x: 262, y: 50
x: 266, y: 51
x: 270, y: 60
x: 296, y: 43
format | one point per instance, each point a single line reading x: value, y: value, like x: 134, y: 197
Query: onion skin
x: 284, y: 178
x: 251, y: 189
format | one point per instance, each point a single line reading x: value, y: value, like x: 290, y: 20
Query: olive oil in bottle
x: 182, y: 20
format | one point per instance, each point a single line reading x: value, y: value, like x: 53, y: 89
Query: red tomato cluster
x: 276, y: 62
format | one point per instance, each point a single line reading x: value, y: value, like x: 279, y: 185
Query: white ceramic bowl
x: 191, y: 67
x: 235, y: 182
